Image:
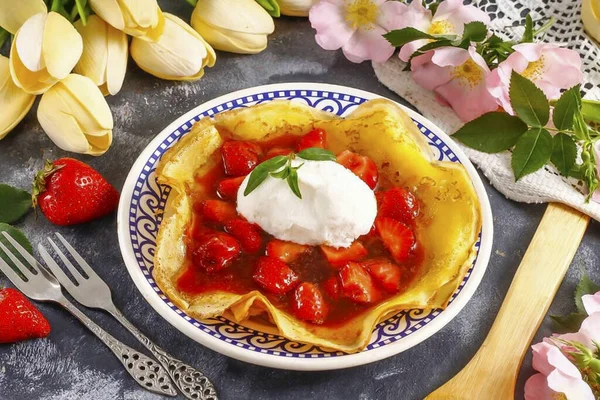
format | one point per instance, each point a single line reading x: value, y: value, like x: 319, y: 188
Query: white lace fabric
x: 545, y: 185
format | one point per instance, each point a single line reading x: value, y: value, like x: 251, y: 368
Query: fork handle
x: 143, y: 369
x: 192, y: 383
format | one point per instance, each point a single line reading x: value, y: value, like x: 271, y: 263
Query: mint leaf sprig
x: 280, y: 167
x: 529, y: 136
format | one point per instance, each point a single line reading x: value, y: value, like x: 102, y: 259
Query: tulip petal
x: 62, y: 46
x: 245, y: 16
x: 109, y: 11
x: 29, y: 42
x: 31, y: 82
x: 14, y: 102
x: 233, y: 42
x: 99, y: 144
x: 87, y: 104
x: 94, y: 59
x: 13, y: 13
x: 117, y: 60
x: 143, y: 13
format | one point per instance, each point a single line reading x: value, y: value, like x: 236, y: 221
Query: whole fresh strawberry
x: 70, y: 192
x: 19, y: 319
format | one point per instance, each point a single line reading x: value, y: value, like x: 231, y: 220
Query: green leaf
x: 283, y: 174
x: 399, y: 37
x: 590, y: 110
x: 528, y: 101
x: 4, y: 35
x: 262, y: 170
x: 15, y: 203
x: 427, y: 47
x: 565, y: 108
x: 585, y: 286
x: 528, y: 34
x: 292, y: 181
x: 580, y: 128
x: 568, y: 324
x: 492, y: 132
x: 19, y: 236
x: 564, y: 153
x: 271, y: 6
x: 316, y: 154
x: 474, y: 32
x: 532, y: 152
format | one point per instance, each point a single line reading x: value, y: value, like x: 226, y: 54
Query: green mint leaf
x: 585, y: 286
x: 292, y: 181
x: 15, y: 203
x: 580, y: 128
x: 271, y: 6
x: 262, y: 170
x: 399, y: 37
x: 532, y: 152
x: 564, y: 153
x: 492, y: 132
x: 283, y: 174
x: 565, y: 108
x: 316, y: 154
x: 568, y: 324
x: 528, y: 34
x: 19, y: 236
x: 528, y: 101
x: 475, y: 32
x: 590, y: 110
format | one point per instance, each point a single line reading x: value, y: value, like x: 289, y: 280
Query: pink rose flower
x: 549, y: 66
x: 588, y: 333
x: 591, y: 302
x: 357, y: 26
x: 450, y: 19
x: 557, y: 375
x: 458, y: 77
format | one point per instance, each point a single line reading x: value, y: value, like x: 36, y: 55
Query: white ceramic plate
x: 138, y: 224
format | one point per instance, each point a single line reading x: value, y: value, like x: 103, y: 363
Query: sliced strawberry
x: 239, y: 157
x: 338, y: 257
x: 217, y: 210
x: 249, y: 235
x: 396, y: 236
x: 227, y: 189
x: 400, y: 204
x: 215, y: 251
x: 332, y: 287
x: 361, y: 166
x: 277, y: 151
x: 285, y: 251
x: 386, y: 273
x: 357, y: 284
x: 274, y: 275
x: 315, y: 138
x: 309, y: 304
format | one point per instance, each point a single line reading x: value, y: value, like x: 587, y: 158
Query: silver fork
x: 93, y: 292
x: 39, y: 284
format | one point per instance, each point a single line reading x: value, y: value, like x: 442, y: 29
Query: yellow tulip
x: 14, y: 102
x: 138, y: 18
x: 104, y: 58
x: 179, y: 54
x: 45, y: 50
x: 75, y: 115
x: 14, y: 13
x: 296, y: 8
x: 237, y: 26
x: 590, y: 14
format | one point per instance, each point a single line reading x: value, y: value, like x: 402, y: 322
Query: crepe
x: 447, y: 228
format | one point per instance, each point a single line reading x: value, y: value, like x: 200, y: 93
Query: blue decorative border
x: 149, y: 200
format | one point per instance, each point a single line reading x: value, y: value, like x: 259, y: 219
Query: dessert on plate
x: 320, y: 225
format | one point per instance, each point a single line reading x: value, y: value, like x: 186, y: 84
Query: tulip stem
x: 56, y: 4
x: 3, y: 36
x: 79, y: 4
x: 192, y: 2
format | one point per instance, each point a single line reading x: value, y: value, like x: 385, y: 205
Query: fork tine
x: 24, y: 270
x: 76, y: 274
x: 56, y: 270
x: 13, y: 276
x: 24, y: 253
x: 82, y: 263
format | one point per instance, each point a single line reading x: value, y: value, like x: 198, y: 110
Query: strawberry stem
x: 39, y: 182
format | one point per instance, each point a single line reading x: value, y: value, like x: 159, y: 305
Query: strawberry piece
x: 357, y: 284
x: 217, y: 210
x: 70, y: 192
x: 227, y: 189
x: 400, y: 204
x: 332, y: 287
x: 19, y: 319
x: 309, y: 304
x: 396, y: 236
x: 361, y: 166
x: 315, y: 138
x: 285, y: 251
x: 249, y: 235
x: 338, y: 257
x: 239, y: 157
x: 215, y: 251
x: 277, y: 151
x: 386, y: 273
x: 274, y: 275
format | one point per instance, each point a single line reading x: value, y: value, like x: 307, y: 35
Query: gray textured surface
x: 72, y: 364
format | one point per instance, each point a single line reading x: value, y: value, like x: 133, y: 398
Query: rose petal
x: 574, y: 388
x: 536, y: 388
x: 332, y: 31
x: 450, y: 56
x: 391, y: 15
x: 591, y: 302
x: 368, y: 45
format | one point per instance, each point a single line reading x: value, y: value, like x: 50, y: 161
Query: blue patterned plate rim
x: 136, y: 225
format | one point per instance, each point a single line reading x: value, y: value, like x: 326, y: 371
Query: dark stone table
x: 72, y: 364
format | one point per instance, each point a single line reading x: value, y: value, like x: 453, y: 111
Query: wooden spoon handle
x: 492, y: 373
